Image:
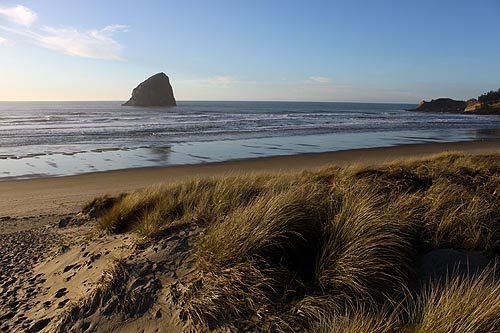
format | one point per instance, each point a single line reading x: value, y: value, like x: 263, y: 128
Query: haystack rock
x: 155, y: 91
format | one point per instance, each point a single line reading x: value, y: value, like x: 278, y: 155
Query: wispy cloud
x: 95, y: 43
x: 19, y: 15
x: 4, y: 42
x: 98, y: 44
x: 224, y: 79
x: 319, y: 79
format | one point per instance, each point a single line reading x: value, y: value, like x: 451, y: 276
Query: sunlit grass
x: 332, y: 249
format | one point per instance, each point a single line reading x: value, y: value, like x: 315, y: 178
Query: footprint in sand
x: 61, y: 292
x: 62, y: 303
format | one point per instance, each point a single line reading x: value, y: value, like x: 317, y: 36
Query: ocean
x: 46, y: 139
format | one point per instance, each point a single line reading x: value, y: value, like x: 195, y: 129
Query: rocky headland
x: 441, y: 105
x: 488, y: 103
x: 155, y: 91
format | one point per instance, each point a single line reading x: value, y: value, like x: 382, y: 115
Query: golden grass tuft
x: 462, y: 304
x: 258, y: 249
x: 368, y: 248
x: 360, y: 320
x: 272, y: 227
x: 101, y: 205
x: 232, y: 292
x: 201, y: 201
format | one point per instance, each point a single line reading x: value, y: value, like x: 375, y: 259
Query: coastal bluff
x: 488, y: 103
x: 155, y: 91
x: 442, y: 105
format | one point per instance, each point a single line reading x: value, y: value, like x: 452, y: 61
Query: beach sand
x: 62, y: 195
x: 44, y: 267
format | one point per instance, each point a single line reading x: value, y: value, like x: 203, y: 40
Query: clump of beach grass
x: 461, y: 304
x: 201, y: 201
x: 313, y: 248
x: 367, y: 251
x: 100, y: 205
x: 275, y: 239
x: 358, y: 320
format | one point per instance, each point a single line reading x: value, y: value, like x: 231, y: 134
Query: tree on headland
x: 491, y: 96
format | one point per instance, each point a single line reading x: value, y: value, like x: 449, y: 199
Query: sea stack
x: 155, y: 91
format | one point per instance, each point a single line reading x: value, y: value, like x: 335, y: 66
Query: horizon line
x: 207, y: 100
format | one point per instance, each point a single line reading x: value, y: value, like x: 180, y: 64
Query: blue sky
x: 367, y: 51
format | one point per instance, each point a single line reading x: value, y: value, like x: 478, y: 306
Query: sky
x: 338, y: 50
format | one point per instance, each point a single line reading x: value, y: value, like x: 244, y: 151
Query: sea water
x: 43, y: 139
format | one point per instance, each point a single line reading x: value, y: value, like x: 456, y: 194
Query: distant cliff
x: 442, y: 105
x: 476, y: 107
x: 488, y: 103
x: 155, y: 91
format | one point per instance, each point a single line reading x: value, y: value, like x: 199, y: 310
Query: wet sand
x: 62, y: 195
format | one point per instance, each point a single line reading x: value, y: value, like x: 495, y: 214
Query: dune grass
x: 332, y: 249
x: 262, y: 248
x: 468, y: 305
x: 358, y: 319
x: 201, y: 201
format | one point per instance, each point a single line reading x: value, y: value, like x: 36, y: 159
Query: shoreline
x: 66, y: 194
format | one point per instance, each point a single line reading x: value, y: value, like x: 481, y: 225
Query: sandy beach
x: 62, y: 195
x: 51, y: 255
